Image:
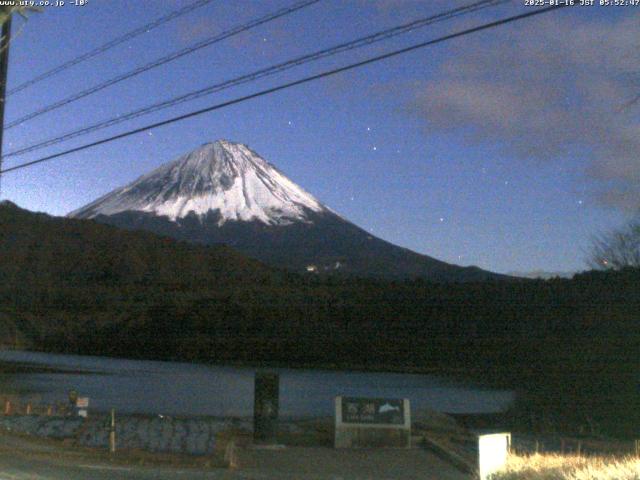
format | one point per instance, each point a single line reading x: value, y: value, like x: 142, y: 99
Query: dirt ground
x: 328, y: 463
x: 28, y: 458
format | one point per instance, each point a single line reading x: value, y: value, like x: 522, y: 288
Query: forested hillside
x: 570, y: 347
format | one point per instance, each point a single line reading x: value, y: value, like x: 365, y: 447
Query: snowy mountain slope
x: 224, y: 193
x: 221, y: 176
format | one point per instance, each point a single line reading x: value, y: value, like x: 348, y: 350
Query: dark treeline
x: 568, y: 347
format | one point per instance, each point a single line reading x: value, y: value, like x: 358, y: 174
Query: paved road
x: 21, y: 459
x: 29, y: 469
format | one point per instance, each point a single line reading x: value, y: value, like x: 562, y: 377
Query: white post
x: 493, y: 451
x: 112, y: 432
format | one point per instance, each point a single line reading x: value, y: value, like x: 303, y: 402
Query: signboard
x: 82, y: 404
x: 372, y: 422
x: 372, y: 410
x: 493, y: 451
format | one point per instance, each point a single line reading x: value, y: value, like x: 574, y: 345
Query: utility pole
x: 4, y: 68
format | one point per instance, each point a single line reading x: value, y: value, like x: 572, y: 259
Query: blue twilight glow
x: 505, y: 149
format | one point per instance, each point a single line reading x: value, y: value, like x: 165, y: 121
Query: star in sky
x: 413, y: 108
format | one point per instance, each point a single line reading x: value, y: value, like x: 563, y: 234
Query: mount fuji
x: 225, y: 193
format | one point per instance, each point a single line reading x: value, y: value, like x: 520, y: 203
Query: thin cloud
x: 548, y: 90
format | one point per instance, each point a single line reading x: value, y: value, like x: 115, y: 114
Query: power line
x: 278, y: 88
x: 163, y: 60
x: 274, y: 69
x: 111, y: 44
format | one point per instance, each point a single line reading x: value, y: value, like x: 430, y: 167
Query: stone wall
x: 194, y: 436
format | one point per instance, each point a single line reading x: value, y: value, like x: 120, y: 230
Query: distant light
x: 375, y: 148
x: 441, y: 219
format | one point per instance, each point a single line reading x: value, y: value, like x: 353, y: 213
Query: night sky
x: 507, y: 149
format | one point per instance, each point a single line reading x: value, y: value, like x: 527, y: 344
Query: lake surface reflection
x: 174, y: 388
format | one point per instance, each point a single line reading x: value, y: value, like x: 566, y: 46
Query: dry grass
x: 568, y: 467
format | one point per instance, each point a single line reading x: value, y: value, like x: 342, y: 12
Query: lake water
x: 174, y: 388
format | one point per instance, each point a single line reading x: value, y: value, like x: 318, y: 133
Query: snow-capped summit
x: 223, y: 177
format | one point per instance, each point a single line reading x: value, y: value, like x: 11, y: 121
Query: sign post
x: 372, y: 422
x: 265, y: 407
x: 73, y: 398
x: 493, y: 450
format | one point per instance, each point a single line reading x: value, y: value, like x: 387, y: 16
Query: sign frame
x: 348, y: 434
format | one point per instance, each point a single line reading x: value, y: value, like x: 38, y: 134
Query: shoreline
x: 470, y: 377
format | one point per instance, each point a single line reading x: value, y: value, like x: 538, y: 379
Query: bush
x: 569, y: 467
